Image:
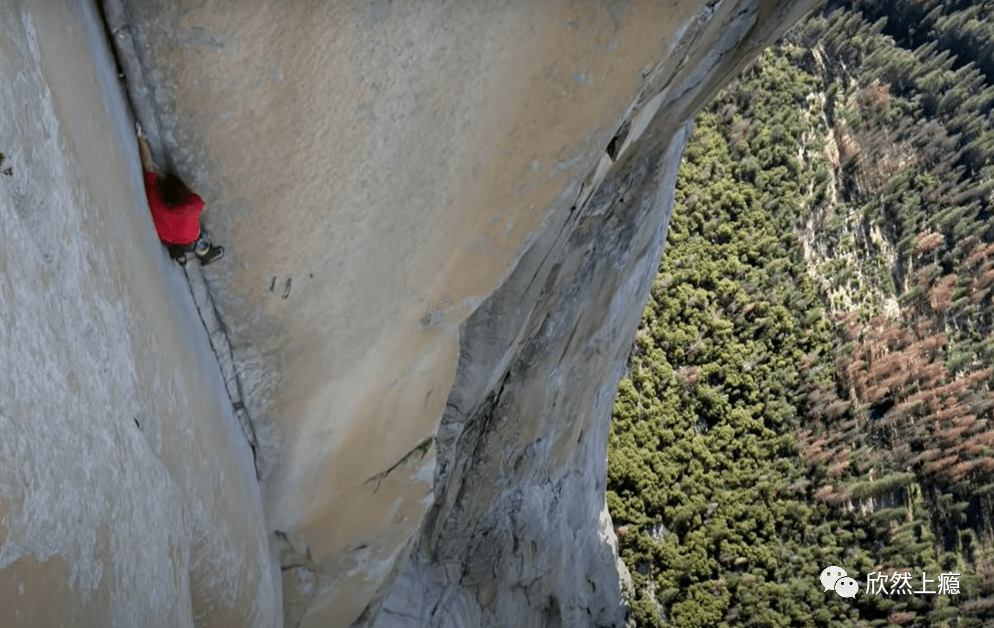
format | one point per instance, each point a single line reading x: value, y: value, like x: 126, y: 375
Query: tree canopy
x: 809, y: 384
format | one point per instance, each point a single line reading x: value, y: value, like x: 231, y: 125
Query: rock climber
x: 176, y: 213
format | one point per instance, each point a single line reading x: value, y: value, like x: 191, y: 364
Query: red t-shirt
x: 177, y: 224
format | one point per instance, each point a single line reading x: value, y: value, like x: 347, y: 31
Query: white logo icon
x: 831, y: 575
x: 846, y: 587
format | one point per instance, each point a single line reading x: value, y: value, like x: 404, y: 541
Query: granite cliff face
x: 127, y: 494
x: 442, y: 221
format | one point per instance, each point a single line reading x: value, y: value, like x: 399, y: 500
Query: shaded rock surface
x: 441, y: 223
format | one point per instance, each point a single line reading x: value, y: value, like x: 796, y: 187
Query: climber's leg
x: 203, y: 243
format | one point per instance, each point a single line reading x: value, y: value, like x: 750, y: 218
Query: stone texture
x: 127, y: 493
x: 441, y: 221
x: 516, y: 535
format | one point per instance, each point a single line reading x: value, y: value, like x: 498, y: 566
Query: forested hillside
x: 811, y: 382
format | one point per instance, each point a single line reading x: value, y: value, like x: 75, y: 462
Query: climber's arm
x: 146, y: 155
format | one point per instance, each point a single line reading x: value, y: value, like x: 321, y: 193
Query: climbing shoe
x: 177, y: 254
x: 212, y: 255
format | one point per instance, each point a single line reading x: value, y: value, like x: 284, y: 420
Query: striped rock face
x: 441, y: 220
